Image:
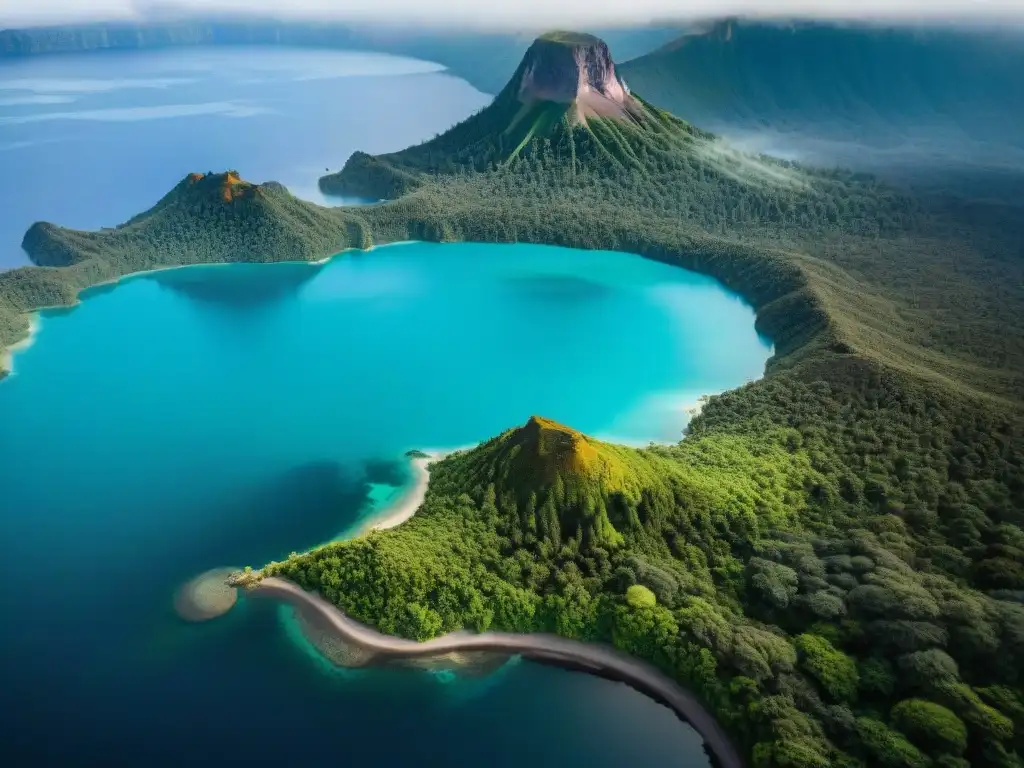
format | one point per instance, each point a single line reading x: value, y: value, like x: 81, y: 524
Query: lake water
x: 90, y: 140
x: 227, y: 415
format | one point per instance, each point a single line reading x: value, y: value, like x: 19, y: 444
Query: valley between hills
x: 832, y: 560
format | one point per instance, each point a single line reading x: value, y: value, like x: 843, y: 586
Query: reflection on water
x: 242, y: 287
x: 557, y: 287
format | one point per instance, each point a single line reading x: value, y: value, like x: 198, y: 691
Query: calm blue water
x: 90, y: 140
x: 228, y: 415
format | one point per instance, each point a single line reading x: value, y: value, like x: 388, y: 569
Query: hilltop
x: 565, y: 93
x: 558, y: 484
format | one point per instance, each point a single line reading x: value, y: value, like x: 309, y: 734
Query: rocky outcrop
x: 573, y: 69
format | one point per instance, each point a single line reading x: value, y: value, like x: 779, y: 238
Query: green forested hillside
x: 835, y: 552
x: 761, y: 72
x: 911, y: 95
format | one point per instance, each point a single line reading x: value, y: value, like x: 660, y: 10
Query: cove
x: 227, y: 415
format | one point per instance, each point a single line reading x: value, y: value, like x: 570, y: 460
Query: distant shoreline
x: 600, y: 660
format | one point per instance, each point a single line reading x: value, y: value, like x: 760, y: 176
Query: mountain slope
x: 565, y: 90
x: 559, y: 484
x: 944, y: 92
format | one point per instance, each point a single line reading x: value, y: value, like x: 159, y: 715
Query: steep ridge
x: 939, y: 91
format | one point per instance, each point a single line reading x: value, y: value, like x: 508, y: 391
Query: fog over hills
x: 899, y: 99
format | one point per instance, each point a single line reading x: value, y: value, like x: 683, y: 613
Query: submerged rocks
x: 207, y: 596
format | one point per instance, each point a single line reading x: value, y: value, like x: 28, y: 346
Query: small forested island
x: 833, y: 558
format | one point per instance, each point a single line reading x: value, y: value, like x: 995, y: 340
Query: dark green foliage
x: 887, y: 747
x: 931, y: 726
x: 834, y: 670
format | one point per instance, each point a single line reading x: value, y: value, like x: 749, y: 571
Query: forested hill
x: 485, y: 60
x: 216, y: 217
x: 206, y: 217
x: 867, y: 84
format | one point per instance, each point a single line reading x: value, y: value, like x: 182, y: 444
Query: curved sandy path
x: 600, y: 660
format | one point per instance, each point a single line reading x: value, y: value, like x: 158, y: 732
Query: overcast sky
x: 525, y: 14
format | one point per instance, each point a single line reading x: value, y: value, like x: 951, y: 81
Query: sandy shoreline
x: 599, y: 660
x: 7, y: 361
x: 405, y: 507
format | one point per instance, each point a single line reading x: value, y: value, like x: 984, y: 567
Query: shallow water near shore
x: 191, y: 418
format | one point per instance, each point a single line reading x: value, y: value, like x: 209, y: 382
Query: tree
x: 834, y: 670
x: 923, y: 669
x: 889, y: 748
x: 931, y: 726
x: 639, y: 596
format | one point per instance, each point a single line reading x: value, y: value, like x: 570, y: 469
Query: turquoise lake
x: 227, y: 415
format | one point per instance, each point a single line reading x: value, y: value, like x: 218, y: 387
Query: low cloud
x: 522, y: 14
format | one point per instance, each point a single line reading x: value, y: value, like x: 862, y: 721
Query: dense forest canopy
x: 833, y: 559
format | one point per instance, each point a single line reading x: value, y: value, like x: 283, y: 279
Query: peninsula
x: 549, y: 649
x: 833, y: 556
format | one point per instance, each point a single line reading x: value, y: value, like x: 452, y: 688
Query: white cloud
x: 522, y: 14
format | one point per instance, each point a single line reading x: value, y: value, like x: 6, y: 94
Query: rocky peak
x: 573, y: 69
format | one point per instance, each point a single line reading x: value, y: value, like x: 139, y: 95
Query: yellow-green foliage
x: 639, y: 596
x: 834, y: 670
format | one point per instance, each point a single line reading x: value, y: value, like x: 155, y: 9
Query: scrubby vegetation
x: 834, y: 558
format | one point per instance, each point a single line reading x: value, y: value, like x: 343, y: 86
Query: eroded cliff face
x: 574, y: 70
